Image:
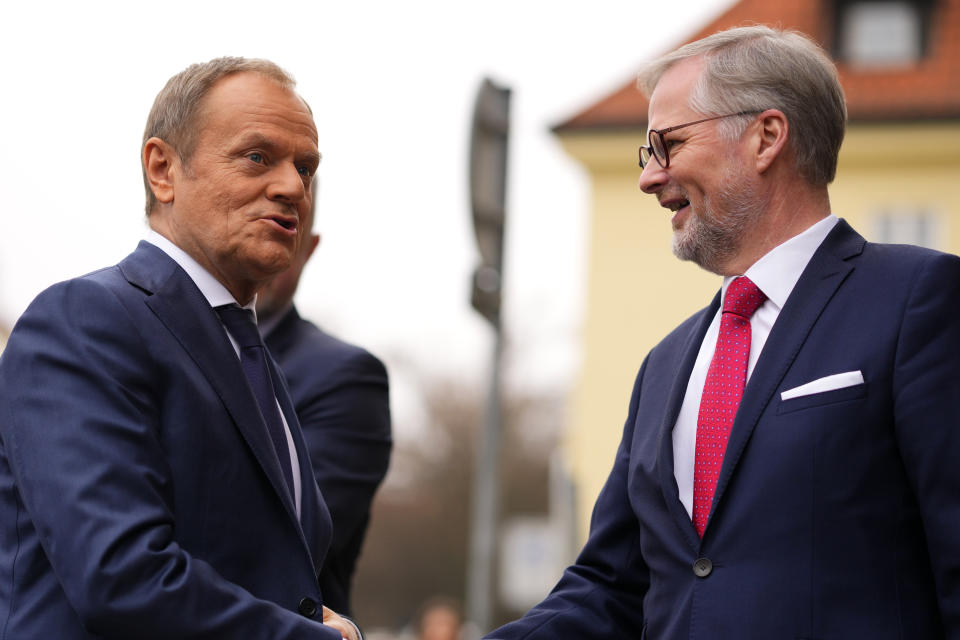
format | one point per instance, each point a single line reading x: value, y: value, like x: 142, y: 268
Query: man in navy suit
x: 826, y: 504
x: 341, y: 395
x: 145, y: 489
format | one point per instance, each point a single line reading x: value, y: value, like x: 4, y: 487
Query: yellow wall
x: 905, y: 167
x: 637, y: 291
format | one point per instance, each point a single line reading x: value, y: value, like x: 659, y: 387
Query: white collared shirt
x: 218, y: 295
x: 775, y: 274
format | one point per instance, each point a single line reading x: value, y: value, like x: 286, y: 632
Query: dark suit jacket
x: 836, y: 514
x: 341, y: 396
x: 140, y: 496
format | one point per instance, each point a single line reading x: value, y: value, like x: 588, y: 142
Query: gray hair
x: 174, y: 117
x: 757, y: 68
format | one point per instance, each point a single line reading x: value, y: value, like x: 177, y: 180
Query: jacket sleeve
x: 80, y: 400
x: 601, y: 595
x: 926, y: 396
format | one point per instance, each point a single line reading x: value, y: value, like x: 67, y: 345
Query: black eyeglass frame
x: 651, y: 148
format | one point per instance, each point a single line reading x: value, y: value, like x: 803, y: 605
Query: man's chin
x: 683, y: 247
x: 274, y: 258
x: 687, y: 249
x: 262, y: 270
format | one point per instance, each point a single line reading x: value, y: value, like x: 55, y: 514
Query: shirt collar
x: 211, y: 288
x: 777, y: 272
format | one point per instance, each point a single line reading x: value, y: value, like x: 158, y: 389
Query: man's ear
x: 159, y: 160
x: 774, y: 131
x: 314, y: 240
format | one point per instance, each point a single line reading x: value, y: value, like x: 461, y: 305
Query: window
x: 882, y: 33
x: 904, y: 226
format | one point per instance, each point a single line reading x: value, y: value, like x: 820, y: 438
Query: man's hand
x: 346, y: 628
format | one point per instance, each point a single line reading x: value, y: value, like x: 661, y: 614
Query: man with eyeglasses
x: 788, y: 467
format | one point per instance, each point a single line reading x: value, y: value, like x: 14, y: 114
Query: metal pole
x: 486, y: 502
x: 488, y: 184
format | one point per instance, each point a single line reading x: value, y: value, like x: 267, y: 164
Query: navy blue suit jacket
x: 140, y: 496
x: 341, y: 395
x: 836, y: 514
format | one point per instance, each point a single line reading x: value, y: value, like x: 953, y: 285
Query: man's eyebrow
x: 259, y: 140
x: 255, y: 140
x: 313, y: 158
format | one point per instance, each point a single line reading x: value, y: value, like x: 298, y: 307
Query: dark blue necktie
x: 253, y: 359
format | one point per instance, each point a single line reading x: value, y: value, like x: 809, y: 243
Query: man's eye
x: 256, y: 157
x: 672, y: 143
x: 305, y: 171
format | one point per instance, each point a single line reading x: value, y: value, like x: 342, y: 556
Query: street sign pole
x: 488, y: 178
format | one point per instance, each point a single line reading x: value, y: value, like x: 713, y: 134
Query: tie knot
x: 743, y: 297
x: 240, y: 324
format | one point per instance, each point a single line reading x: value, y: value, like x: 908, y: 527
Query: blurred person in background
x: 341, y: 395
x: 788, y: 467
x: 154, y: 482
x: 439, y: 619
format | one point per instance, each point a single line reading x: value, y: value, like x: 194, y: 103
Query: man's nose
x: 653, y: 177
x: 287, y: 184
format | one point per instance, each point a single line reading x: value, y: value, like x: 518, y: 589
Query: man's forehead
x: 251, y: 91
x: 671, y: 96
x: 248, y: 101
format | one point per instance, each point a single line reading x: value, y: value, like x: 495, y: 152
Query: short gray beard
x: 714, y: 236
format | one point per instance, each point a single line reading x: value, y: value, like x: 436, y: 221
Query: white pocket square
x: 829, y: 383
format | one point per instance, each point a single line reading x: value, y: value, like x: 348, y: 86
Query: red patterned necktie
x: 722, y: 392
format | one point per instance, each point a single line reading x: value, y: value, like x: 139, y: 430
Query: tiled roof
x: 928, y: 89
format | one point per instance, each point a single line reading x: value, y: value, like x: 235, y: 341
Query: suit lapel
x: 182, y: 308
x: 678, y: 389
x: 819, y: 282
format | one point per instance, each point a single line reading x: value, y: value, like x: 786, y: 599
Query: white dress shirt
x: 775, y: 274
x: 218, y: 295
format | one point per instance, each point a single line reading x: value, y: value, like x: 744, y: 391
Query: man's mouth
x: 674, y: 204
x: 290, y: 224
x: 678, y: 205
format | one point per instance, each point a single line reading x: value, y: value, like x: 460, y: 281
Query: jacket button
x: 307, y: 607
x: 702, y: 567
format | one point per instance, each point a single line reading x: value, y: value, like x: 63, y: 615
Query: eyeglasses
x: 657, y: 147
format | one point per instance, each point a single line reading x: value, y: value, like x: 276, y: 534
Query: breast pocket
x: 823, y: 398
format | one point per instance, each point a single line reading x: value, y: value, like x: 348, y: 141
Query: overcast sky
x: 392, y: 85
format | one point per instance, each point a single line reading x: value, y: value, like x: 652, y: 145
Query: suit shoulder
x: 76, y: 325
x: 118, y: 282
x: 905, y: 253
x: 315, y: 347
x: 905, y: 265
x: 87, y: 296
x: 349, y: 354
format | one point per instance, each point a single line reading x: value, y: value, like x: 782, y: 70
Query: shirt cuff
x: 355, y: 627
